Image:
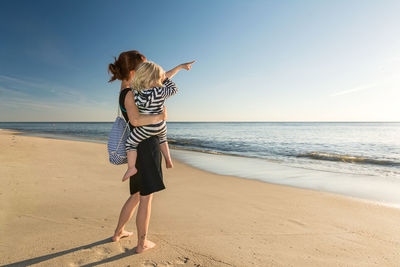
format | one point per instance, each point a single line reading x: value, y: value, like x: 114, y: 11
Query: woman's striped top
x: 151, y: 101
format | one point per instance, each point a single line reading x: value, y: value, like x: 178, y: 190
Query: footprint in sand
x: 296, y: 222
x: 177, y: 262
x: 165, y: 264
x: 182, y: 260
x: 102, y: 251
x: 149, y: 263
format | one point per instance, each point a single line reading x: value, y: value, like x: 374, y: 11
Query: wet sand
x: 60, y: 201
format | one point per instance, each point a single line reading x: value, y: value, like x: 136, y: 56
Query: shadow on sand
x: 62, y: 253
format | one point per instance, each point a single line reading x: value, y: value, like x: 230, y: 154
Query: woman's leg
x: 142, y: 223
x: 126, y: 214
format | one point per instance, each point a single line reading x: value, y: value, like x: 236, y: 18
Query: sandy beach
x: 60, y: 201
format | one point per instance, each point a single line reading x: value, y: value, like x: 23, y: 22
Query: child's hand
x: 187, y: 66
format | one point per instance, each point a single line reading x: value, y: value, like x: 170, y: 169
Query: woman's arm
x: 171, y: 73
x: 137, y: 119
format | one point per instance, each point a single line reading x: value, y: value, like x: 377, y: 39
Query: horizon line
x: 191, y: 121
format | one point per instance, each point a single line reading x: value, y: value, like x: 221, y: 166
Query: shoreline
x: 276, y: 172
x: 64, y: 198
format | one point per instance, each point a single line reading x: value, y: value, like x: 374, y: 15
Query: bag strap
x: 127, y: 124
x: 119, y: 106
x: 119, y: 115
x: 118, y: 110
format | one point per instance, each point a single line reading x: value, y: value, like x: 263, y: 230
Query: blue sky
x: 256, y: 60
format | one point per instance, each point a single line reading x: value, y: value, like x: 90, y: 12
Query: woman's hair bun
x: 115, y: 70
x: 126, y: 62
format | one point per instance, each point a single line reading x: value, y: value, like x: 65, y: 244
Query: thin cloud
x: 4, y: 78
x: 4, y: 92
x: 24, y: 103
x: 355, y: 89
x: 387, y: 75
x: 32, y: 87
x: 57, y: 97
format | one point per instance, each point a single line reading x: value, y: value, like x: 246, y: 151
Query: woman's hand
x: 188, y: 65
x: 135, y: 118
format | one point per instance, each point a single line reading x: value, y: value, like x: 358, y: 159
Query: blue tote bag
x: 116, y: 141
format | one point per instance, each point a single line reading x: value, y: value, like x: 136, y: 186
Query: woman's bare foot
x: 129, y: 173
x: 169, y: 164
x: 118, y: 236
x: 147, y: 245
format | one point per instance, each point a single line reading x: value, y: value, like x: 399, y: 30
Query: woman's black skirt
x: 149, y: 178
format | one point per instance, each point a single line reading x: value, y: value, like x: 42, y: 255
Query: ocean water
x: 361, y: 148
x: 358, y: 147
x: 369, y: 151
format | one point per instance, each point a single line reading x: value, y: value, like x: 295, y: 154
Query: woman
x: 149, y: 178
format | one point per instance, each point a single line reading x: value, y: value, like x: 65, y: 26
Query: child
x: 152, y: 88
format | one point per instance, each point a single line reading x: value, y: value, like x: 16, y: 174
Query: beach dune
x: 60, y: 201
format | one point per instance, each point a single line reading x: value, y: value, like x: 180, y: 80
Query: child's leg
x: 132, y: 155
x: 132, y: 142
x: 165, y: 149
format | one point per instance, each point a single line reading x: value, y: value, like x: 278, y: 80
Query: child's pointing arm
x: 171, y: 73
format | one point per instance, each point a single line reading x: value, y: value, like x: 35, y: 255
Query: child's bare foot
x: 147, y: 245
x: 118, y: 236
x: 129, y: 173
x: 169, y: 164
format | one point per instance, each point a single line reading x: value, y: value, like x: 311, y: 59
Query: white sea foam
x: 381, y: 189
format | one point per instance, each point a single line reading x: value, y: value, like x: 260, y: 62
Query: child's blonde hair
x: 147, y: 75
